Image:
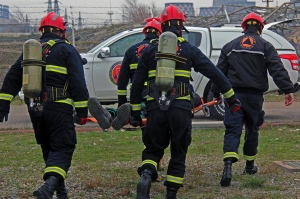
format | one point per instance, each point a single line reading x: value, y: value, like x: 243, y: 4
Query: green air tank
x: 32, y: 68
x: 165, y: 68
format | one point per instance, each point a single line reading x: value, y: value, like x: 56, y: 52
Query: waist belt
x: 54, y: 94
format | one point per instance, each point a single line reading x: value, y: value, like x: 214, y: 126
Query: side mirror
x: 104, y: 52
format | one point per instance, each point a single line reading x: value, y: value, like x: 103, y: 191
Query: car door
x: 106, y: 70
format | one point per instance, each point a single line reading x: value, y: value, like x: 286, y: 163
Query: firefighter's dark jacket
x: 129, y: 64
x: 246, y: 60
x: 194, y: 59
x: 68, y: 61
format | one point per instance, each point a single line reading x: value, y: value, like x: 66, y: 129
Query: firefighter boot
x: 122, y: 116
x: 102, y: 116
x: 226, y: 177
x: 62, y: 192
x: 250, y: 169
x: 46, y: 191
x: 171, y: 193
x: 144, y: 185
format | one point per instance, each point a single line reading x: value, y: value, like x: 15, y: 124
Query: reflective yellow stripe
x: 150, y: 162
x: 122, y: 92
x: 178, y: 73
x: 177, y: 180
x: 66, y: 101
x: 133, y: 66
x: 4, y: 96
x: 249, y: 158
x: 151, y: 73
x: 231, y: 155
x: 183, y: 73
x: 56, y: 69
x: 81, y: 104
x: 180, y: 39
x: 148, y: 98
x: 136, y: 107
x: 58, y: 170
x: 229, y: 93
x: 51, y: 42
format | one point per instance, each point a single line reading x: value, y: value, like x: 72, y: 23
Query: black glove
x: 234, y: 104
x: 3, y: 115
x: 135, y: 121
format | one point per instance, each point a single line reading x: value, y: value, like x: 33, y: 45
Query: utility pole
x: 73, y: 35
x: 267, y: 2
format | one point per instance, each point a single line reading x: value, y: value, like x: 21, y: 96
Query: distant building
x: 186, y: 7
x: 4, y: 11
x: 231, y: 6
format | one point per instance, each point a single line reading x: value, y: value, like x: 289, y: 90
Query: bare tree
x: 136, y: 12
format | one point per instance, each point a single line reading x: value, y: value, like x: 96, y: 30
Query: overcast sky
x: 97, y: 9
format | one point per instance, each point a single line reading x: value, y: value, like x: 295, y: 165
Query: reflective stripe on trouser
x: 250, y: 115
x: 55, y: 131
x: 157, y: 137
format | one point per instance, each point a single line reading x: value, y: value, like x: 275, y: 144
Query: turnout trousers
x: 163, y: 128
x: 55, y: 132
x: 251, y: 116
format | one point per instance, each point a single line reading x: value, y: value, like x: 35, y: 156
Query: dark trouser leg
x: 47, y: 190
x: 61, y: 191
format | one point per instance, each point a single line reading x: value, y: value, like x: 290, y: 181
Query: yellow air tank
x: 165, y: 68
x: 32, y: 68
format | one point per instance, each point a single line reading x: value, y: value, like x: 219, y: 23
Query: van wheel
x: 217, y: 111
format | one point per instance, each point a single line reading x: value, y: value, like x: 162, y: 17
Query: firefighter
x: 63, y: 91
x: 246, y: 62
x: 171, y: 122
x: 151, y: 30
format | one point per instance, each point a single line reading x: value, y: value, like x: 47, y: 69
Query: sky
x: 95, y: 11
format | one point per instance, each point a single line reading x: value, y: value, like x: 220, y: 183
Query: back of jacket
x: 194, y: 59
x: 247, y: 60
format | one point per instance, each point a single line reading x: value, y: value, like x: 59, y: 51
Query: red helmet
x: 172, y: 12
x: 252, y: 16
x: 54, y: 20
x: 152, y: 23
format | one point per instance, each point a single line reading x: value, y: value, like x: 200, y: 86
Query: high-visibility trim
x: 148, y: 98
x: 56, y: 69
x: 4, y: 96
x: 231, y: 155
x: 52, y: 42
x: 122, y: 92
x: 178, y: 73
x: 66, y: 101
x: 229, y: 93
x: 180, y: 39
x: 183, y: 73
x: 250, y: 158
x: 58, y: 170
x: 133, y: 66
x: 145, y: 84
x: 136, y: 107
x: 174, y: 179
x: 81, y: 104
x: 150, y: 162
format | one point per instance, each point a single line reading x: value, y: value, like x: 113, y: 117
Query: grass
x: 105, y: 166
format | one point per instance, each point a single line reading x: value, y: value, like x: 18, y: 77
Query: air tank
x: 165, y: 68
x: 32, y: 68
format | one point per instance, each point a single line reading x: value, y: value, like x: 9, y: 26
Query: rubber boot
x: 226, y: 177
x: 102, y: 116
x: 144, y: 185
x: 250, y: 169
x: 123, y: 116
x: 46, y: 191
x: 62, y: 192
x: 171, y: 193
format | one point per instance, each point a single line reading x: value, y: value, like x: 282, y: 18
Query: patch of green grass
x: 105, y: 164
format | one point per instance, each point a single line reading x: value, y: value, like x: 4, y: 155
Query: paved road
x: 18, y: 119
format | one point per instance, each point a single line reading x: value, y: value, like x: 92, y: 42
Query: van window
x: 193, y: 38
x: 119, y: 48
